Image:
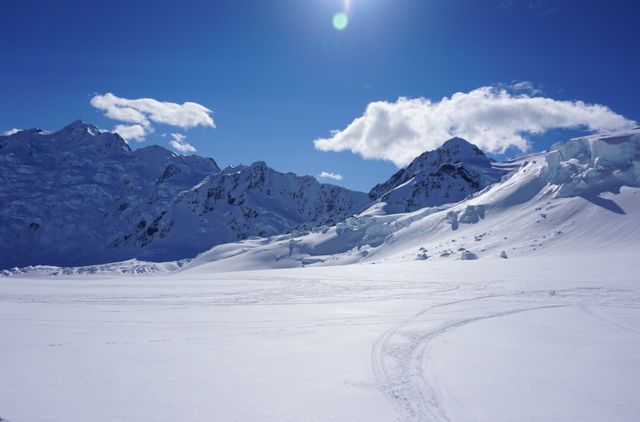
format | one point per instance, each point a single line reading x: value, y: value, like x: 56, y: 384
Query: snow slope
x: 82, y: 197
x: 581, y: 197
x: 551, y: 338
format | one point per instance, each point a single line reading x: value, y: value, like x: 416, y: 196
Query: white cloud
x: 131, y: 132
x: 179, y: 144
x: 178, y: 137
x: 182, y: 147
x: 492, y: 118
x: 142, y: 112
x: 146, y: 110
x: 329, y: 175
x: 11, y: 132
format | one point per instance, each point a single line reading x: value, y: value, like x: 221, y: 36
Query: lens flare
x: 340, y: 21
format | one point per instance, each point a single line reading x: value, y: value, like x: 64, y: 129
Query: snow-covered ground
x: 538, y: 338
x: 520, y: 302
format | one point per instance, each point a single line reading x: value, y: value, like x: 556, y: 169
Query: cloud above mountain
x: 141, y: 113
x: 179, y: 143
x: 329, y: 175
x: 494, y: 118
x: 131, y: 132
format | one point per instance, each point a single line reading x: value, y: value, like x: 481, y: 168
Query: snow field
x: 493, y: 339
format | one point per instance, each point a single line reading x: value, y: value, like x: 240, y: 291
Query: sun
x: 340, y: 21
x: 341, y: 18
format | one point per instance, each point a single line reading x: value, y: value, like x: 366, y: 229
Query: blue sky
x: 277, y: 75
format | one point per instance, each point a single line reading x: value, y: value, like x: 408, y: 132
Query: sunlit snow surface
x: 526, y: 339
x: 520, y: 303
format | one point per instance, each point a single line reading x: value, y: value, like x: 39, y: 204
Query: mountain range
x: 81, y: 196
x: 580, y: 198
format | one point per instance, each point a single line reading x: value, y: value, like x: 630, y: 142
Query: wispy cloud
x: 11, y: 131
x: 142, y: 112
x: 131, y: 132
x: 145, y: 110
x: 493, y: 118
x: 526, y: 87
x: 179, y: 144
x: 329, y: 175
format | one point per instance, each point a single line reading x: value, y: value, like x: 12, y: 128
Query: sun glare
x: 340, y: 21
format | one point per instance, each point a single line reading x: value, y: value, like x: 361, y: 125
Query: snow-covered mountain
x: 80, y: 196
x: 581, y: 197
x: 445, y: 175
x: 238, y: 203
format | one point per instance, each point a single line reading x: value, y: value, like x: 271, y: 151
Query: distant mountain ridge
x: 80, y: 196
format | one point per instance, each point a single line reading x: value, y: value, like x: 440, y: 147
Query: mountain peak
x: 456, y: 141
x: 457, y: 147
x: 259, y: 164
x: 80, y: 127
x: 448, y: 173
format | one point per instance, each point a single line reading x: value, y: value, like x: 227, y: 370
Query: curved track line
x: 397, y: 361
x: 597, y: 312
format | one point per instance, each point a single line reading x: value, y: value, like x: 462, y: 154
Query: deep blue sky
x: 277, y: 74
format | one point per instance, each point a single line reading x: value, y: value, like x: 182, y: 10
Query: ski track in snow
x: 597, y: 312
x: 400, y: 364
